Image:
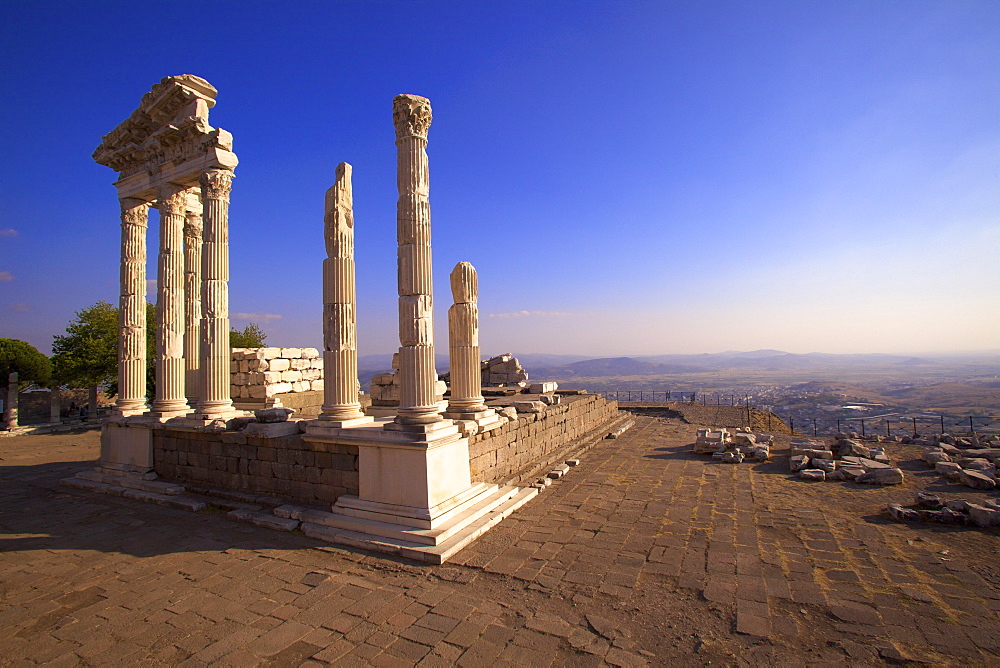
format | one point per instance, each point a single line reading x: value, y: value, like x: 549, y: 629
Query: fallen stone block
x: 508, y: 412
x: 976, y: 480
x: 901, y: 514
x: 827, y: 465
x: 708, y: 448
x: 976, y: 464
x: 815, y: 454
x: 729, y: 457
x: 543, y: 388
x: 872, y: 465
x: 850, y: 472
x: 558, y: 472
x: 885, y: 476
x: 528, y: 406
x: 943, y: 516
x: 621, y: 429
x: 760, y: 453
x: 817, y: 475
x: 550, y: 399
x: 982, y: 516
x: 798, y: 463
x: 929, y: 501
x: 848, y: 448
x: 949, y: 470
x: 836, y: 476
x: 958, y: 505
x: 572, y: 462
x: 934, y: 455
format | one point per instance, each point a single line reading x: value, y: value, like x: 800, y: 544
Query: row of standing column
x: 192, y: 335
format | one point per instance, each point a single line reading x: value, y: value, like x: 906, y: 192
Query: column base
x: 486, y: 420
x: 327, y: 427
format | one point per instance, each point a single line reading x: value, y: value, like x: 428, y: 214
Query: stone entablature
x: 167, y: 139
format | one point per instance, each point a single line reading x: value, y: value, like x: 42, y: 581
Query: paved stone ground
x: 644, y: 553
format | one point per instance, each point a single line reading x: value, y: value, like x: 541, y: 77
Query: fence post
x: 915, y: 426
x: 972, y: 427
x: 814, y: 427
x: 791, y: 424
x: 838, y: 425
x: 888, y: 432
x: 862, y: 427
x: 942, y: 425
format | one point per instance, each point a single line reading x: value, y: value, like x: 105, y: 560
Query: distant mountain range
x: 559, y: 367
x: 759, y: 360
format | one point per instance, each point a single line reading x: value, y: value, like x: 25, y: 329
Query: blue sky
x: 627, y: 177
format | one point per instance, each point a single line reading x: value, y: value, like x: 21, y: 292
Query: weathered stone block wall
x: 261, y: 373
x: 287, y: 466
x: 499, y: 455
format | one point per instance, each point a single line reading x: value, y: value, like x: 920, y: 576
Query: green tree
x: 87, y: 355
x: 30, y: 365
x: 251, y: 336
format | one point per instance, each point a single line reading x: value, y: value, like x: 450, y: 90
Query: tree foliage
x: 30, y: 365
x: 251, y: 336
x: 87, y: 355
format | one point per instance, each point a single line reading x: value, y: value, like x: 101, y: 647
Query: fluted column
x: 192, y: 304
x: 132, y: 309
x: 215, y: 352
x: 411, y: 114
x: 463, y: 336
x: 169, y: 366
x: 340, y: 347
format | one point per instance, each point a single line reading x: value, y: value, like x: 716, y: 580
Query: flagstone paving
x: 644, y: 553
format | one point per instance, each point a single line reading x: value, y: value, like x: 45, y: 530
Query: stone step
x: 261, y: 518
x: 355, y: 507
x: 155, y: 486
x: 432, y: 554
x: 469, y: 513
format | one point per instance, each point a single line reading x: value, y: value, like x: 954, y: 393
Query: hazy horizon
x: 628, y: 178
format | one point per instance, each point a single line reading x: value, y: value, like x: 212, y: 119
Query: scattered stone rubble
x: 961, y: 461
x: 261, y: 373
x: 846, y: 460
x: 931, y: 508
x: 734, y: 447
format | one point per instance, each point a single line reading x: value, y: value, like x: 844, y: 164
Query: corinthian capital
x: 216, y: 184
x: 134, y: 211
x: 172, y: 199
x: 411, y: 114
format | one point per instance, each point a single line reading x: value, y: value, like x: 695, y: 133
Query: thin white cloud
x: 255, y: 317
x: 20, y: 308
x: 150, y: 286
x: 6, y: 276
x: 8, y: 232
x: 530, y: 314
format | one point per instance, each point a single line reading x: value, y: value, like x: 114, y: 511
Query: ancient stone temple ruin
x: 168, y: 157
x: 422, y: 478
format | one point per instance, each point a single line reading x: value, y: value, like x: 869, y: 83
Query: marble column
x: 55, y: 406
x: 463, y: 336
x: 340, y: 346
x: 169, y: 366
x: 132, y: 310
x: 10, y: 406
x: 411, y: 114
x: 192, y: 305
x: 215, y: 351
